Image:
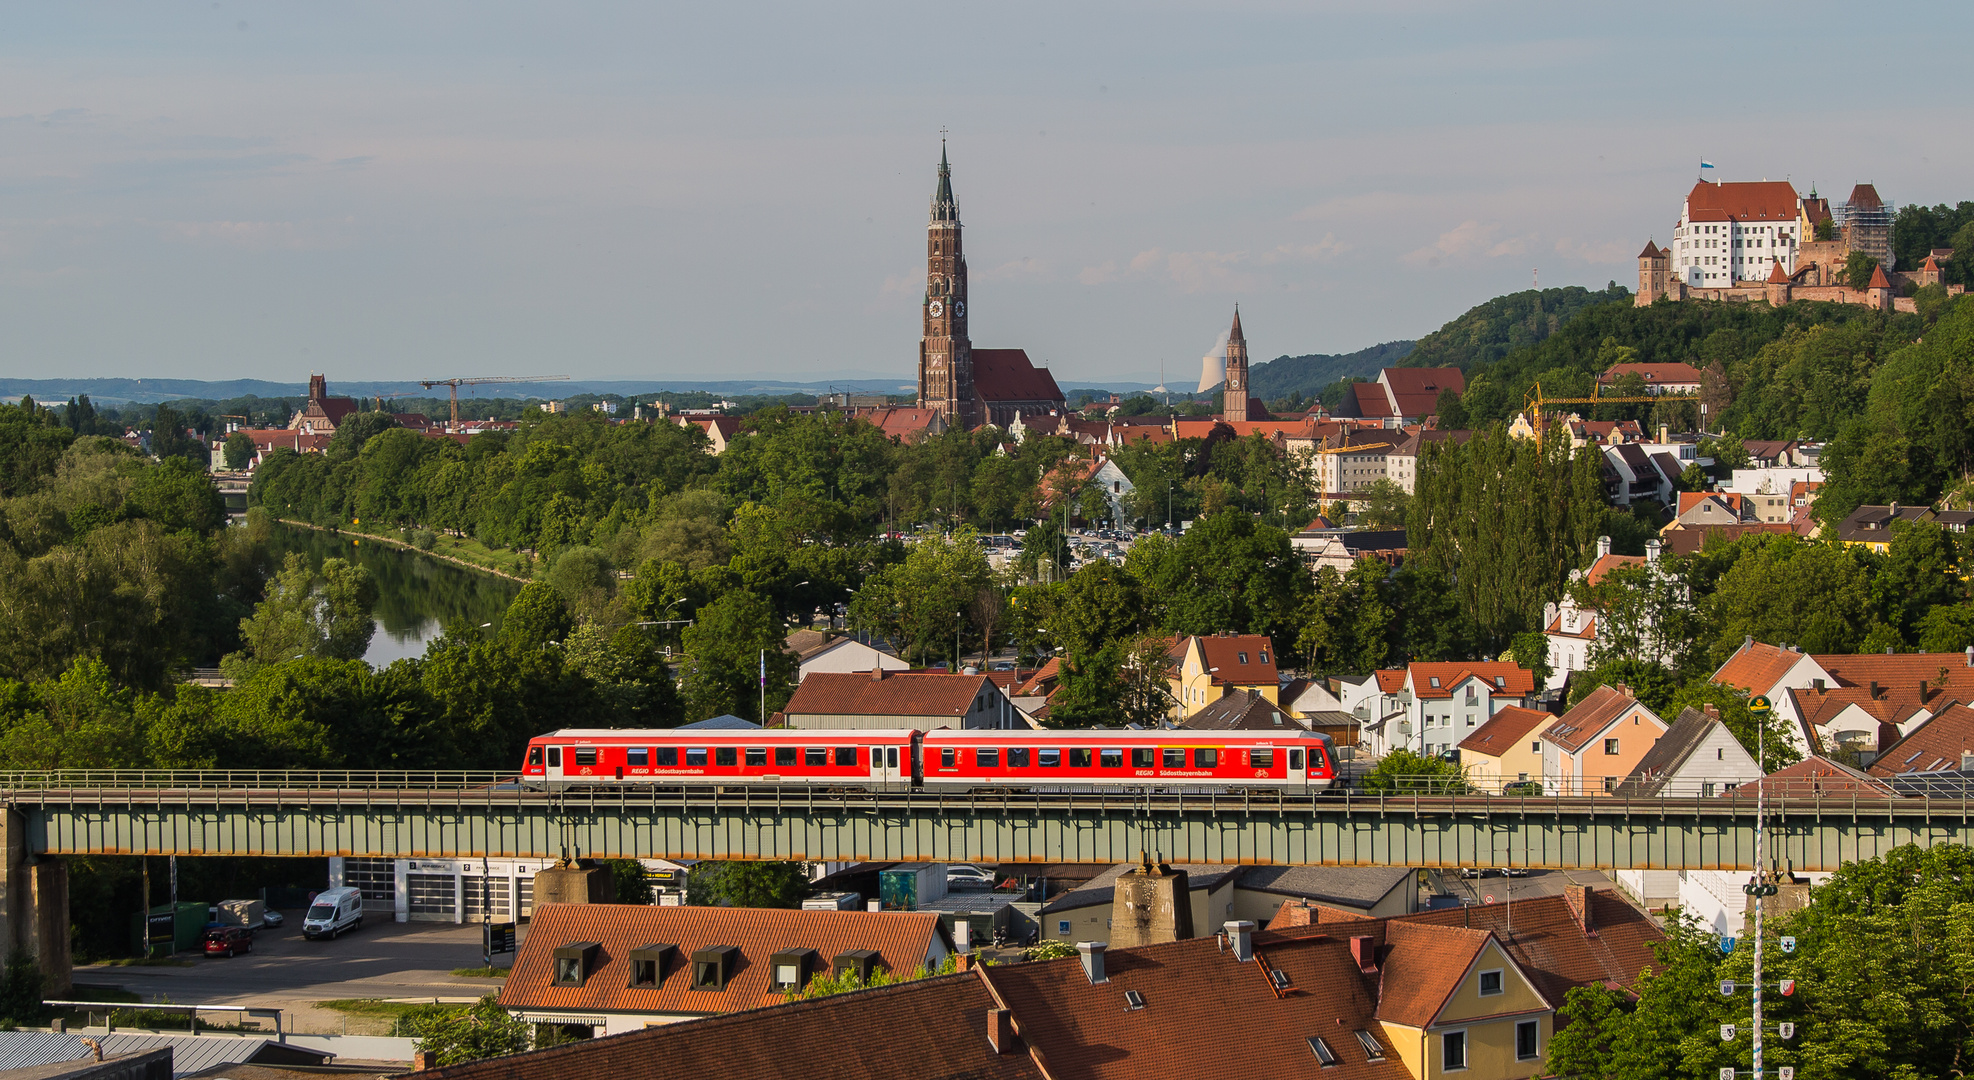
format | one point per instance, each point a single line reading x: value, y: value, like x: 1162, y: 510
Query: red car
x: 229, y: 940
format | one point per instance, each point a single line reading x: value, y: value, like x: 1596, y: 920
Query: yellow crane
x: 1535, y: 403
x: 455, y: 384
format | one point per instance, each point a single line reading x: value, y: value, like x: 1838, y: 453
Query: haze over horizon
x: 225, y: 190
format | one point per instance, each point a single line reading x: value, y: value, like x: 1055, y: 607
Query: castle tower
x: 945, y: 355
x: 1878, y: 293
x: 1654, y: 274
x: 318, y: 387
x: 1233, y: 408
x: 1778, y: 286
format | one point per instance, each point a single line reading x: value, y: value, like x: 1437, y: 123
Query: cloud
x: 906, y: 284
x: 1026, y: 266
x: 1099, y: 275
x: 1469, y: 239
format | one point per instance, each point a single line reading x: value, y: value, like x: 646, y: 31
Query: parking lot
x: 382, y: 960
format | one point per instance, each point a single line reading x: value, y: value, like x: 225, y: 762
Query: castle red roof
x: 1766, y: 200
x: 1878, y: 279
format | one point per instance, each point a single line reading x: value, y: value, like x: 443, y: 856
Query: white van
x: 332, y: 912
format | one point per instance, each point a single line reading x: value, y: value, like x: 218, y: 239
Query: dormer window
x: 573, y: 963
x: 791, y: 968
x: 1264, y: 656
x: 712, y: 967
x: 649, y: 964
x: 1243, y: 657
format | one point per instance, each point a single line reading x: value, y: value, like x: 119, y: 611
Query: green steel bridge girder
x: 815, y: 825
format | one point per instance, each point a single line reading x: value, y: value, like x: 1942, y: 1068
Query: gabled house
x: 1430, y: 707
x: 880, y: 699
x: 837, y: 653
x: 622, y: 967
x: 1242, y: 710
x: 1570, y: 628
x: 720, y: 431
x: 1462, y: 1005
x: 1770, y: 671
x: 1698, y: 757
x: 1507, y: 749
x: 1942, y: 744
x: 1206, y: 668
x: 1595, y: 745
x: 1871, y: 526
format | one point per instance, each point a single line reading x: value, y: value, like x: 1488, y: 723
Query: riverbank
x: 459, y: 551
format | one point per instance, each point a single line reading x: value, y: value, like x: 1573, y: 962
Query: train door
x: 889, y: 769
x: 553, y: 769
x: 1298, y: 767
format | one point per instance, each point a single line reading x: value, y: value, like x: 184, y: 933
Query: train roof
x: 1170, y: 736
x: 737, y: 734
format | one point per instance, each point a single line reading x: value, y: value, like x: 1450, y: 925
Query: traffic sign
x: 1759, y: 704
x: 1727, y: 945
x: 1727, y: 1072
x: 1788, y: 987
x: 1487, y: 899
x: 1785, y: 1072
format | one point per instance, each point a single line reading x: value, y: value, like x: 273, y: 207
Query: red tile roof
x: 1599, y: 709
x: 1692, y: 538
x: 1756, y: 667
x: 1008, y: 375
x: 1243, y: 659
x: 1777, y: 275
x: 1514, y: 680
x: 832, y: 693
x: 1370, y: 399
x: 1607, y: 563
x: 1815, y: 777
x: 1418, y: 389
x: 1423, y: 965
x: 931, y: 1029
x: 1897, y: 669
x: 1653, y: 374
x: 1651, y: 251
x: 1934, y: 745
x: 1205, y: 1014
x: 1392, y: 681
x: 1506, y: 728
x: 905, y: 939
x: 1766, y: 200
x: 1865, y: 197
x: 1878, y: 279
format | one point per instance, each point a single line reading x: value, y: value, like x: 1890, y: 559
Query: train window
x: 1205, y: 758
x: 1079, y: 757
x: 846, y: 756
x: 726, y: 756
x: 1018, y: 757
x: 665, y: 757
x: 890, y: 757
x: 1046, y: 758
x: 555, y: 756
x: 695, y: 757
x: 757, y: 756
x: 784, y: 755
x: 636, y: 756
x: 1261, y: 759
x: 946, y: 757
x: 1112, y: 758
x: 1295, y: 758
x: 585, y: 755
x: 1141, y: 757
x: 986, y: 759
x: 534, y: 755
x: 1175, y: 758
x: 1315, y: 757
x: 814, y: 756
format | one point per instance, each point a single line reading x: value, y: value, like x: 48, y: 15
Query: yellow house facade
x: 1206, y: 668
x: 1507, y: 749
x: 1484, y: 1020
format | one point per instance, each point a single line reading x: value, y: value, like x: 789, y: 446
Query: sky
x: 220, y: 190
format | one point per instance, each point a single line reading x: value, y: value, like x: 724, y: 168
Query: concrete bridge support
x: 34, y: 906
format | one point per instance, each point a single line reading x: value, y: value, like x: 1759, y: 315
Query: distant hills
x: 1491, y: 330
x: 1285, y: 375
x: 152, y: 391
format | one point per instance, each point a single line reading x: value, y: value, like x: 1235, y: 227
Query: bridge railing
x: 253, y: 779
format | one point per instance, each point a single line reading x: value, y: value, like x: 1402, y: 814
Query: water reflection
x: 416, y: 594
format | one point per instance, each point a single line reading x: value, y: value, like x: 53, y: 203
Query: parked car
x: 969, y: 877
x: 332, y: 912
x: 229, y: 940
x: 271, y: 917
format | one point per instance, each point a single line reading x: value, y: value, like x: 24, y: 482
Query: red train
x: 902, y: 760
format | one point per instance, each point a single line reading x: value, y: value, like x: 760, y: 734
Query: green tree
x: 20, y: 989
x: 1769, y: 740
x: 486, y: 1030
x: 756, y: 884
x: 1530, y: 649
x: 323, y: 613
x: 239, y: 450
x: 1649, y: 682
x: 1383, y: 505
x: 921, y: 603
x: 1783, y: 589
x: 724, y: 649
x: 1405, y: 770
x: 1857, y: 270
x: 633, y: 885
x: 537, y: 616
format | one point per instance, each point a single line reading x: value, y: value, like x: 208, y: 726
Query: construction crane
x: 1534, y: 403
x: 455, y: 384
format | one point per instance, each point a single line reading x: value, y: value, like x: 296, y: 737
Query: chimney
x: 1578, y: 898
x: 1364, y: 950
x: 1874, y: 690
x: 877, y: 672
x: 1967, y: 761
x: 422, y: 1060
x: 1000, y: 1030
x: 1242, y: 935
x: 1711, y: 710
x: 1662, y: 434
x: 1603, y: 546
x: 1092, y: 953
x: 1970, y: 656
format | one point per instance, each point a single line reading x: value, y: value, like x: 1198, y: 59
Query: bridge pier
x: 34, y: 906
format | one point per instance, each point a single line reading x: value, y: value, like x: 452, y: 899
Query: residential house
x: 1686, y: 541
x: 1402, y: 463
x: 1658, y: 378
x: 1864, y: 720
x: 1705, y: 509
x: 1076, y: 474
x: 1031, y: 693
x: 1598, y: 743
x: 1430, y: 707
x: 1206, y: 668
x: 1633, y: 473
x: 1507, y: 749
x: 1871, y: 526
x: 720, y: 431
x: 1829, y: 701
x: 1351, y: 462
x: 1340, y: 549
x: 1769, y: 671
x: 622, y: 967
x: 1242, y: 710
x: 1942, y: 744
x: 1371, y: 892
x: 880, y: 699
x: 1698, y: 757
x: 1465, y: 1007
x: 1302, y: 698
x: 1571, y: 629
x: 815, y: 651
x: 1401, y: 395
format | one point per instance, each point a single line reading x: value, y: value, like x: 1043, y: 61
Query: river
x: 417, y: 595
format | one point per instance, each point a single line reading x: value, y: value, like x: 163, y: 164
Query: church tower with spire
x: 1233, y: 407
x: 945, y: 355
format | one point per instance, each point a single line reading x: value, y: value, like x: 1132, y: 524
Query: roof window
x: 1133, y: 1000
x: 1434, y: 680
x: 1243, y: 657
x: 649, y: 963
x: 1500, y: 682
x: 1279, y: 977
x: 574, y: 962
x: 1324, y: 1054
x: 712, y: 966
x: 1373, y: 1049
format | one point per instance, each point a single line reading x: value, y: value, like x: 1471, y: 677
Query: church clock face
x: 937, y: 309
x: 959, y: 308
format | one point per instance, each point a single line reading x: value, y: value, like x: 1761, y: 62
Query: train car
x: 874, y: 759
x: 902, y: 759
x: 1098, y: 759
